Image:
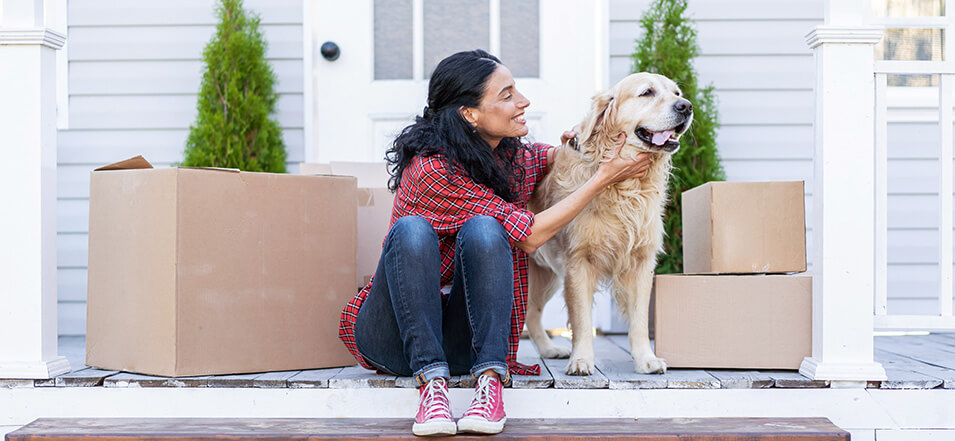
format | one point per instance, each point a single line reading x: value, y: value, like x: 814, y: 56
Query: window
x: 921, y: 39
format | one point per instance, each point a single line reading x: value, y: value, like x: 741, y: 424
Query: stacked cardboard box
x: 743, y: 300
x: 374, y: 208
x: 213, y: 271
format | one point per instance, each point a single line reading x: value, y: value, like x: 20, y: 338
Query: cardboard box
x: 374, y: 208
x: 213, y: 271
x: 744, y: 228
x: 739, y: 322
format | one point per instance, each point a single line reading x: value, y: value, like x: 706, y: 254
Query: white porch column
x: 843, y: 198
x: 28, y: 192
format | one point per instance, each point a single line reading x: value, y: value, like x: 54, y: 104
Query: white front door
x: 557, y: 50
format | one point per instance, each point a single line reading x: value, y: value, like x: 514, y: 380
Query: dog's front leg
x: 633, y: 290
x: 579, y: 285
x: 542, y: 286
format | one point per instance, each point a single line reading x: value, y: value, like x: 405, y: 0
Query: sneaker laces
x: 435, y: 399
x: 483, y: 400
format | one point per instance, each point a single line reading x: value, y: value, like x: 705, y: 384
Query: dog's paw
x: 580, y: 366
x: 554, y: 351
x: 650, y: 365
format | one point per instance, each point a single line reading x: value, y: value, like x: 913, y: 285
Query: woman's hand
x: 554, y: 151
x: 548, y: 222
x: 567, y: 136
x: 620, y: 169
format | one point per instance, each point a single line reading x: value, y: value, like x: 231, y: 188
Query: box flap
x: 133, y: 163
x: 232, y: 170
x: 369, y: 174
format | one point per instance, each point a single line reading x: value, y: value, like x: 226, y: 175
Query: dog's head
x: 649, y: 108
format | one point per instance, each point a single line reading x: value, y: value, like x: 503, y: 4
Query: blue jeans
x: 406, y: 327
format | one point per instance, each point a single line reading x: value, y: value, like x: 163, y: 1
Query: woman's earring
x: 474, y: 130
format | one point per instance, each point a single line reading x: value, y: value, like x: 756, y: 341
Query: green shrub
x: 668, y: 48
x: 233, y: 128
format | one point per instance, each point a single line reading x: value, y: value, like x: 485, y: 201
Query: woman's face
x: 501, y: 112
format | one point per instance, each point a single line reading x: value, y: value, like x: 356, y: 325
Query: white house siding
x: 134, y: 74
x: 754, y: 53
x: 135, y: 66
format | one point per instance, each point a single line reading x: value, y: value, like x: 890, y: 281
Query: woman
x: 462, y: 179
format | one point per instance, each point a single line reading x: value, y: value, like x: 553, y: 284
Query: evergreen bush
x: 668, y: 48
x: 233, y: 128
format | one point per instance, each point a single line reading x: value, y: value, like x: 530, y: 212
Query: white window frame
x: 910, y: 104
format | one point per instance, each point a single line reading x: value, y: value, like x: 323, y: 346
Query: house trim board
x: 868, y: 409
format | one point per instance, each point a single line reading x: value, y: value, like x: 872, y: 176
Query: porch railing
x: 944, y: 320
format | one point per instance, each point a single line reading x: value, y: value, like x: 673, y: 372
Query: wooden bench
x: 274, y: 429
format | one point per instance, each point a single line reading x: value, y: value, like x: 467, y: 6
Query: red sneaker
x: 434, y: 410
x: 486, y: 414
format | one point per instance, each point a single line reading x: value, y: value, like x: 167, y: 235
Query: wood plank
x: 462, y: 381
x: 902, y: 373
x: 732, y: 379
x: 234, y: 429
x: 15, y: 383
x: 356, y: 377
x: 675, y: 378
x: 558, y: 368
x: 232, y: 380
x: 794, y: 380
x: 527, y: 354
x: 948, y: 337
x: 615, y: 362
x: 274, y: 380
x: 691, y: 379
x: 946, y: 375
x: 312, y: 378
x: 126, y: 379
x: 45, y: 382
x: 88, y: 377
x: 919, y: 349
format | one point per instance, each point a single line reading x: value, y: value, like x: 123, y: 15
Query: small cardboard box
x: 744, y: 228
x: 738, y: 322
x: 213, y: 271
x: 374, y: 208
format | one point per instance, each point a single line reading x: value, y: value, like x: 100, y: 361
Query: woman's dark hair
x: 459, y: 80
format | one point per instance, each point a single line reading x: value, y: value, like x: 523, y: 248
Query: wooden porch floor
x: 911, y: 362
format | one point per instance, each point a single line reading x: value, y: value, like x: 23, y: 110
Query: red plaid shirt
x: 427, y: 191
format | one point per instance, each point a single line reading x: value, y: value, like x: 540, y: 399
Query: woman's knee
x: 484, y: 232
x: 413, y: 233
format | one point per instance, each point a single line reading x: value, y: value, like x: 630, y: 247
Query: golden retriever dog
x: 616, y: 238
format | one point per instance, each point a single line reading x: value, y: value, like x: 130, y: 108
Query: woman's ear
x: 600, y: 118
x: 468, y: 114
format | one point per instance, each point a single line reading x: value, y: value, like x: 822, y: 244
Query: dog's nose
x: 683, y: 106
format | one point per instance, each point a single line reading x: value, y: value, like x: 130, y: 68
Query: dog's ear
x: 600, y: 118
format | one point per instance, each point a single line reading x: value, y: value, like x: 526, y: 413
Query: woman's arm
x: 550, y: 221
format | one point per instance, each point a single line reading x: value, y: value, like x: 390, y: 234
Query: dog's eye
x: 648, y: 92
x: 678, y: 93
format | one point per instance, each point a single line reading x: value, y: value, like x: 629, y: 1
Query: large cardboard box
x: 374, y: 208
x: 729, y: 321
x: 744, y: 228
x: 214, y: 271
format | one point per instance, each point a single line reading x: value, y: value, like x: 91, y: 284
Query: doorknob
x: 330, y: 51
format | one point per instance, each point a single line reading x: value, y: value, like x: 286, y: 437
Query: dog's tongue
x: 660, y: 138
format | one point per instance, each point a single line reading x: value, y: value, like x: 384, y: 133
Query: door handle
x: 330, y: 51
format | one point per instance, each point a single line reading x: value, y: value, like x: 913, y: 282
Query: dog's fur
x: 616, y: 238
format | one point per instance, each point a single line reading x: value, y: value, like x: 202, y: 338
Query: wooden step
x: 273, y: 429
